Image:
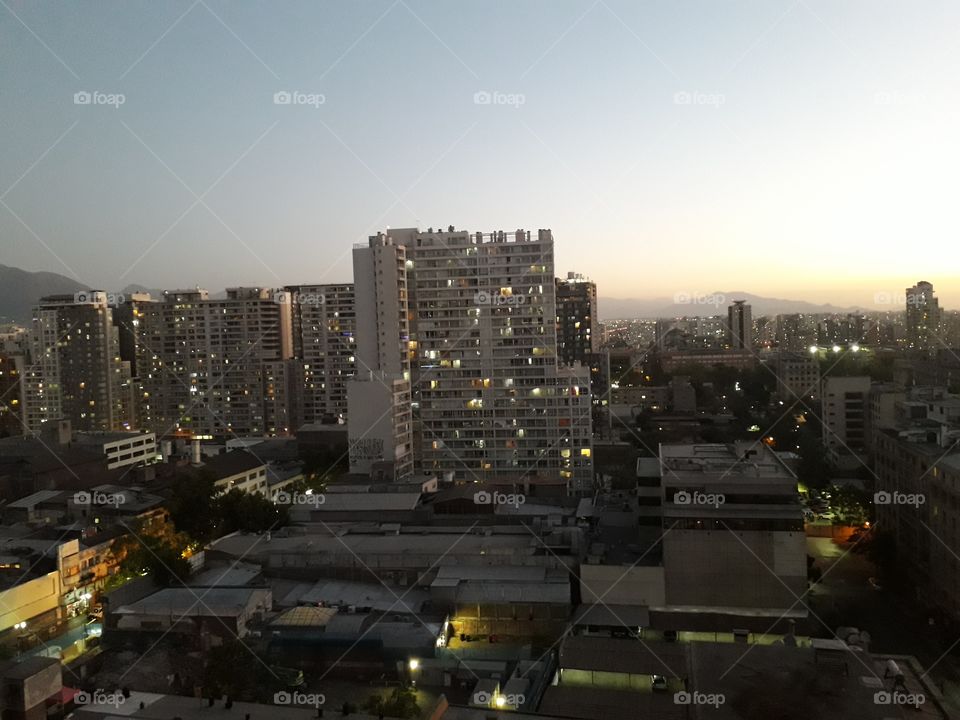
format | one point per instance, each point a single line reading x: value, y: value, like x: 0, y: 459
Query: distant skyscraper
x: 491, y: 399
x: 577, y: 327
x: 76, y: 370
x: 740, y: 325
x: 923, y: 317
x: 796, y: 332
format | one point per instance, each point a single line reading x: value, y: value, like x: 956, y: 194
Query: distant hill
x: 20, y: 290
x: 713, y: 304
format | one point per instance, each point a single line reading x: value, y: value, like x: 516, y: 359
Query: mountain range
x: 20, y: 290
x: 706, y: 304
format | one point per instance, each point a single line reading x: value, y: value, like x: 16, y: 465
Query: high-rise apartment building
x: 577, y: 332
x: 491, y: 398
x: 218, y: 366
x: 798, y: 377
x: 324, y: 348
x: 76, y: 371
x: 740, y: 325
x: 796, y: 332
x: 11, y: 394
x: 923, y: 317
x: 380, y: 416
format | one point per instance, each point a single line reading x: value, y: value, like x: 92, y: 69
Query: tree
x: 193, y: 505
x: 232, y: 669
x: 851, y: 503
x: 238, y: 510
x: 400, y: 703
x: 155, y: 549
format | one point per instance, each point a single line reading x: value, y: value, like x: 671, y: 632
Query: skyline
x: 704, y: 157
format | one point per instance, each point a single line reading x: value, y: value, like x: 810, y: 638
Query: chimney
x: 197, y: 458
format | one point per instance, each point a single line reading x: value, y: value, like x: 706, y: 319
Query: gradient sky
x: 817, y: 158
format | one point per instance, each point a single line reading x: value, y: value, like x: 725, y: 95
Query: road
x: 67, y: 644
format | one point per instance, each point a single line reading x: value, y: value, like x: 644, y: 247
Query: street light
x: 414, y: 664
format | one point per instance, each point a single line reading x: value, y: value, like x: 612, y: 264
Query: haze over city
x: 479, y: 360
x: 786, y: 149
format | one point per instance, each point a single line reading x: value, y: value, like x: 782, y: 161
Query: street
x: 845, y: 597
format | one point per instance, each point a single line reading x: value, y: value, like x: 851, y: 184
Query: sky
x: 803, y: 149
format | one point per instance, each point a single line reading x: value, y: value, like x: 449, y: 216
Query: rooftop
x: 232, y: 463
x: 225, y: 602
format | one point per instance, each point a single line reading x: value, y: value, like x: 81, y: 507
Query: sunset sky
x: 802, y: 149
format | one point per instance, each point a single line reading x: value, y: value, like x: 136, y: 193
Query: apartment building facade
x: 218, y: 366
x: 490, y: 395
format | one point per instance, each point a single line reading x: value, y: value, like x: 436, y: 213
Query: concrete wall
x: 30, y: 599
x: 743, y: 570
